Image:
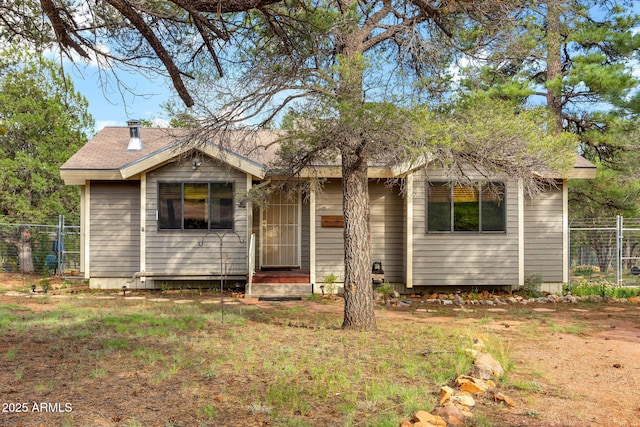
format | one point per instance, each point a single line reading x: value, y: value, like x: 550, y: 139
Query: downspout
x: 521, y: 247
x: 140, y: 274
x: 143, y: 223
x: 409, y: 231
x: 312, y: 233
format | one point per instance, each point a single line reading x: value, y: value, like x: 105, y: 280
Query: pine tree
x: 43, y: 121
x: 576, y: 57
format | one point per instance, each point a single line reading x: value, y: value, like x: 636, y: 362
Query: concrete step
x: 280, y: 289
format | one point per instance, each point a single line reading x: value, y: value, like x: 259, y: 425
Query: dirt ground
x: 587, y: 378
x: 586, y: 363
x: 582, y: 360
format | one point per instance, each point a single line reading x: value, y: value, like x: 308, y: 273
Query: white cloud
x: 100, y: 124
x: 159, y: 123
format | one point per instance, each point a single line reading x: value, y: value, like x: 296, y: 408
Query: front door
x: 280, y: 231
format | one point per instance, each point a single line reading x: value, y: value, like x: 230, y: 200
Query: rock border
x: 456, y: 405
x: 492, y: 300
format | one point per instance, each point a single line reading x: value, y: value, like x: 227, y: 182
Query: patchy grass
x: 530, y: 386
x: 287, y: 366
x: 137, y: 362
x: 570, y: 328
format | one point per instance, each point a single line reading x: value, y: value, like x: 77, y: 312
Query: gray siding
x: 464, y: 259
x: 175, y: 252
x: 329, y: 241
x: 543, y: 235
x: 115, y: 229
x: 386, y: 224
x: 387, y: 230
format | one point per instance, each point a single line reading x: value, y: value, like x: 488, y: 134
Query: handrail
x: 251, y: 263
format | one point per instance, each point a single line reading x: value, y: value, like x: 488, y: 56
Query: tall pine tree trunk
x: 25, y: 258
x: 358, y: 290
x: 554, y: 63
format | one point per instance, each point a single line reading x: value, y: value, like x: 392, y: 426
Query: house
x: 158, y: 210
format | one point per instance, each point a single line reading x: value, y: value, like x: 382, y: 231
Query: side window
x: 466, y: 208
x: 492, y: 210
x: 195, y: 206
x: 221, y: 206
x: 438, y: 207
x: 456, y: 208
x: 169, y: 206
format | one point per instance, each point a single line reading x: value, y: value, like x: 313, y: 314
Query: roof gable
x: 105, y: 157
x: 212, y: 150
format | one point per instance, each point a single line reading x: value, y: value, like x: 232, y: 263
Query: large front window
x: 195, y: 206
x: 456, y: 208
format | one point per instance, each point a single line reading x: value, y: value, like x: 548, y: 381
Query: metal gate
x: 45, y: 249
x: 68, y: 251
x: 605, y: 249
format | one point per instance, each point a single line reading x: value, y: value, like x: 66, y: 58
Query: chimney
x: 135, y: 144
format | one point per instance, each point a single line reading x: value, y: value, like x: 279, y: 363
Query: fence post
x: 619, y: 241
x: 59, y: 245
x: 569, y: 259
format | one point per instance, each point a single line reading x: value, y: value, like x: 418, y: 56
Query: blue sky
x: 113, y: 106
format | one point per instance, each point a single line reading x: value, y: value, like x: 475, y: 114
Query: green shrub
x: 386, y: 289
x: 532, y: 284
x: 329, y: 283
x: 603, y: 288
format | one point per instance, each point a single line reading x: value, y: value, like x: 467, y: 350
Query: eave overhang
x: 132, y: 170
x: 212, y: 150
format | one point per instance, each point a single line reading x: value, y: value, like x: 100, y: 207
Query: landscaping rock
x: 478, y: 343
x: 472, y: 385
x: 445, y: 393
x: 486, y: 367
x: 463, y: 399
x: 503, y: 398
x: 429, y: 419
x: 453, y: 415
x: 456, y: 405
x: 425, y: 424
x: 553, y: 298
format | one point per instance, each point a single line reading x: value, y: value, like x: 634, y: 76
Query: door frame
x: 262, y: 226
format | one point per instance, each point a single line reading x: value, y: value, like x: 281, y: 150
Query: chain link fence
x: 605, y: 249
x: 600, y: 249
x: 44, y: 249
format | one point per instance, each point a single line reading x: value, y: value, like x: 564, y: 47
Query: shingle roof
x: 108, y: 149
